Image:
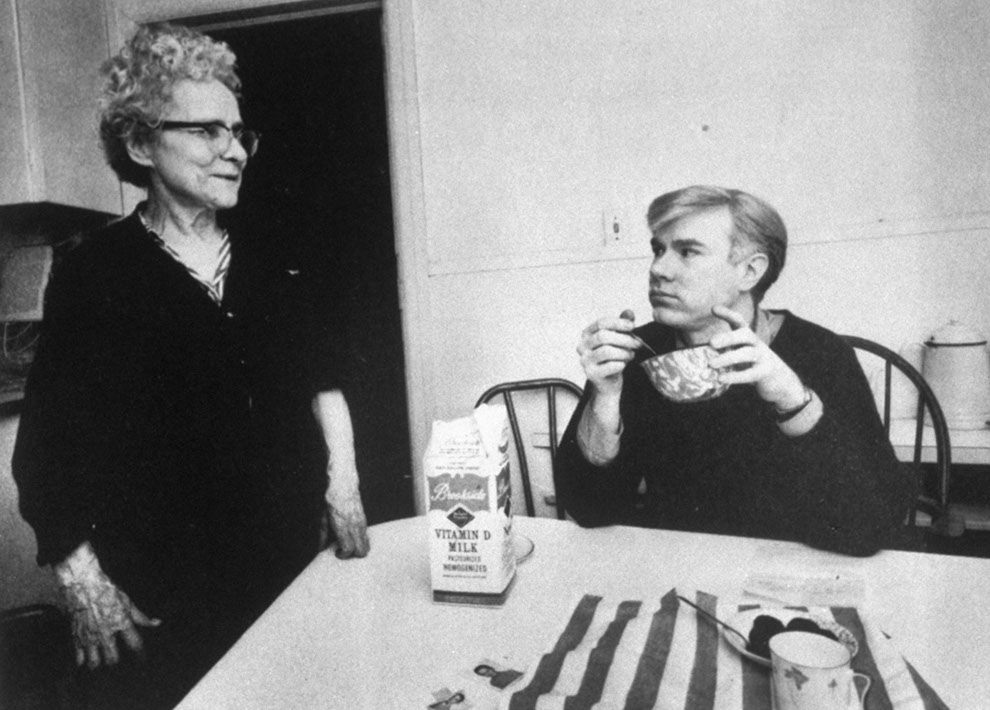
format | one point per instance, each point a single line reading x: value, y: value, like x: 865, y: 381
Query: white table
x: 365, y: 633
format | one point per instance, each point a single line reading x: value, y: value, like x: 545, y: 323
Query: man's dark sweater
x: 724, y: 466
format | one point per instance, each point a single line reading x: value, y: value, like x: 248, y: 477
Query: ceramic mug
x: 811, y: 672
x: 685, y: 375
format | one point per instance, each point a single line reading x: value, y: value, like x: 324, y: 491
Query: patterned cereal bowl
x: 685, y: 375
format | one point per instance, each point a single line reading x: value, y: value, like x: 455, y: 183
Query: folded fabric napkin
x: 636, y: 654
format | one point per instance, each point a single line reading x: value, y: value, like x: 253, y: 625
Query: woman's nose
x: 235, y: 151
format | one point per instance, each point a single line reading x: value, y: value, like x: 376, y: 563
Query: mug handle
x: 866, y: 686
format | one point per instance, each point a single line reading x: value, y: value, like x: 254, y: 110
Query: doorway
x: 315, y: 89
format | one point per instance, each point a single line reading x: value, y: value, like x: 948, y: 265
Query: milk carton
x: 468, y: 505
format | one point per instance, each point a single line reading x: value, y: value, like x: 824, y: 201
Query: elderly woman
x: 185, y: 438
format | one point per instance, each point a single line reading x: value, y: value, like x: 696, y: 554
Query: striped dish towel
x: 662, y: 654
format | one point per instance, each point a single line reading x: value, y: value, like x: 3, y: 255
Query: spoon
x: 642, y: 344
x: 629, y: 315
x: 714, y: 618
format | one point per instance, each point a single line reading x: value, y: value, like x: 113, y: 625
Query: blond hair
x: 756, y: 226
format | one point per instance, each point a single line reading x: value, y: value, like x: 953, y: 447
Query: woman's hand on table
x: 344, y: 508
x: 99, y: 610
x: 347, y: 519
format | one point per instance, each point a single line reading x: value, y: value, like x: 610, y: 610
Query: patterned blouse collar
x: 213, y: 285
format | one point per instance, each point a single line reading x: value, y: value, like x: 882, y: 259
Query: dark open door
x: 315, y: 89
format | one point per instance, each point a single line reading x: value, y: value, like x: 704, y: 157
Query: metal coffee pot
x: 956, y: 364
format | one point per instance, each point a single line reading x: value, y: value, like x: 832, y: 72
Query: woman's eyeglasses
x: 217, y: 134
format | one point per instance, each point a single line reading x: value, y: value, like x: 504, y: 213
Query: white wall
x: 535, y: 115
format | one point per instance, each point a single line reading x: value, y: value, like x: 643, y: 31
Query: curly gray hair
x: 139, y: 82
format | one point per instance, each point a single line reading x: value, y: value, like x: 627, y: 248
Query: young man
x: 794, y: 449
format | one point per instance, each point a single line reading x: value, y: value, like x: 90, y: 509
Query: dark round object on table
x: 801, y: 624
x: 764, y: 627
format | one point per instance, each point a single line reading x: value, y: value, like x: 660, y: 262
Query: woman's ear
x: 140, y: 152
x: 753, y: 268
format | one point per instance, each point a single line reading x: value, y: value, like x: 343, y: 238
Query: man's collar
x: 767, y: 325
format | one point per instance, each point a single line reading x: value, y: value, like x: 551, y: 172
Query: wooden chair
x: 538, y: 411
x: 933, y: 502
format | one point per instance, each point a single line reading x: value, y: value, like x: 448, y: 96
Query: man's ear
x: 753, y: 267
x: 140, y: 152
